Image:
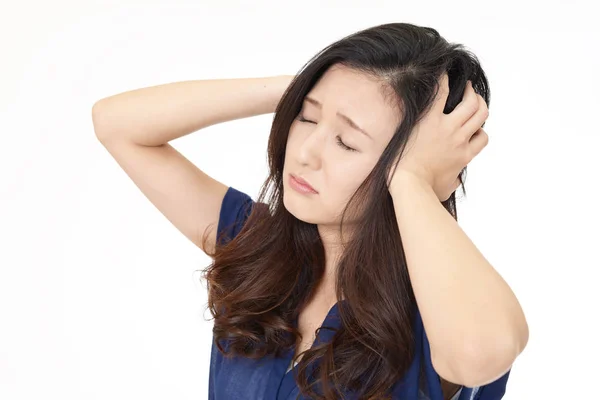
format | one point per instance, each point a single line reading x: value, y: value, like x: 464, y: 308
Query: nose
x: 311, y: 148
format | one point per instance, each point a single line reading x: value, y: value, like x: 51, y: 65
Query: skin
x: 313, y: 151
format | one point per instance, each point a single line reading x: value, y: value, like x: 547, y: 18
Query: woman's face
x: 327, y: 151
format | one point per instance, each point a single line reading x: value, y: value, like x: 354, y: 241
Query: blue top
x: 243, y: 378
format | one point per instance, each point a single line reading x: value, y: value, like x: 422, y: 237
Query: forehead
x: 360, y: 97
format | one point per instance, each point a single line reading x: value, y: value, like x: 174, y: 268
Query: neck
x: 333, y: 245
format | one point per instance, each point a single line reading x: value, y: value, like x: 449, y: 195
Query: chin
x: 299, y: 206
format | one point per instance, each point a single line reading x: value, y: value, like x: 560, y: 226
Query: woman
x: 349, y: 277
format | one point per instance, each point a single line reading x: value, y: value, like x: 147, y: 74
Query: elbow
x: 100, y: 121
x: 482, y: 369
x: 479, y: 365
x: 96, y: 119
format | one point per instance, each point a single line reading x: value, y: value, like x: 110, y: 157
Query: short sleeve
x: 235, y: 209
x: 493, y: 390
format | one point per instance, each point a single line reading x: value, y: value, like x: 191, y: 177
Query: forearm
x: 155, y: 115
x: 473, y: 320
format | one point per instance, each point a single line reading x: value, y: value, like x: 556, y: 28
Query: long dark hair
x: 258, y: 282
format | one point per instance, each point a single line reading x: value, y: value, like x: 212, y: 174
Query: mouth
x: 301, y: 185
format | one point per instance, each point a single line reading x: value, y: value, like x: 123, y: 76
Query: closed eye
x: 342, y: 145
x: 338, y: 139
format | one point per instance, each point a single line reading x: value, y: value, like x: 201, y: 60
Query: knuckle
x: 474, y: 106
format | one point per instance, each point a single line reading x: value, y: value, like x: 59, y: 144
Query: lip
x: 301, y: 185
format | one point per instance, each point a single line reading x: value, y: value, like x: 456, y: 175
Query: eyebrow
x: 342, y: 116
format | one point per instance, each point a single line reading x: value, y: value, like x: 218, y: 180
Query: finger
x: 478, y: 142
x: 477, y: 120
x: 442, y: 94
x: 466, y: 108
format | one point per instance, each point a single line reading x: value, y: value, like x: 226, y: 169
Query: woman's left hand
x: 441, y: 145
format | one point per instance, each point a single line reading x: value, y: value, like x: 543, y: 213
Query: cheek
x: 349, y: 174
x: 343, y: 181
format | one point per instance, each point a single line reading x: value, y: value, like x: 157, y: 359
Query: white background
x: 100, y: 297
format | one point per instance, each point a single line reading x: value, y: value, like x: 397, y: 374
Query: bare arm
x: 156, y: 115
x: 135, y: 128
x: 473, y: 320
